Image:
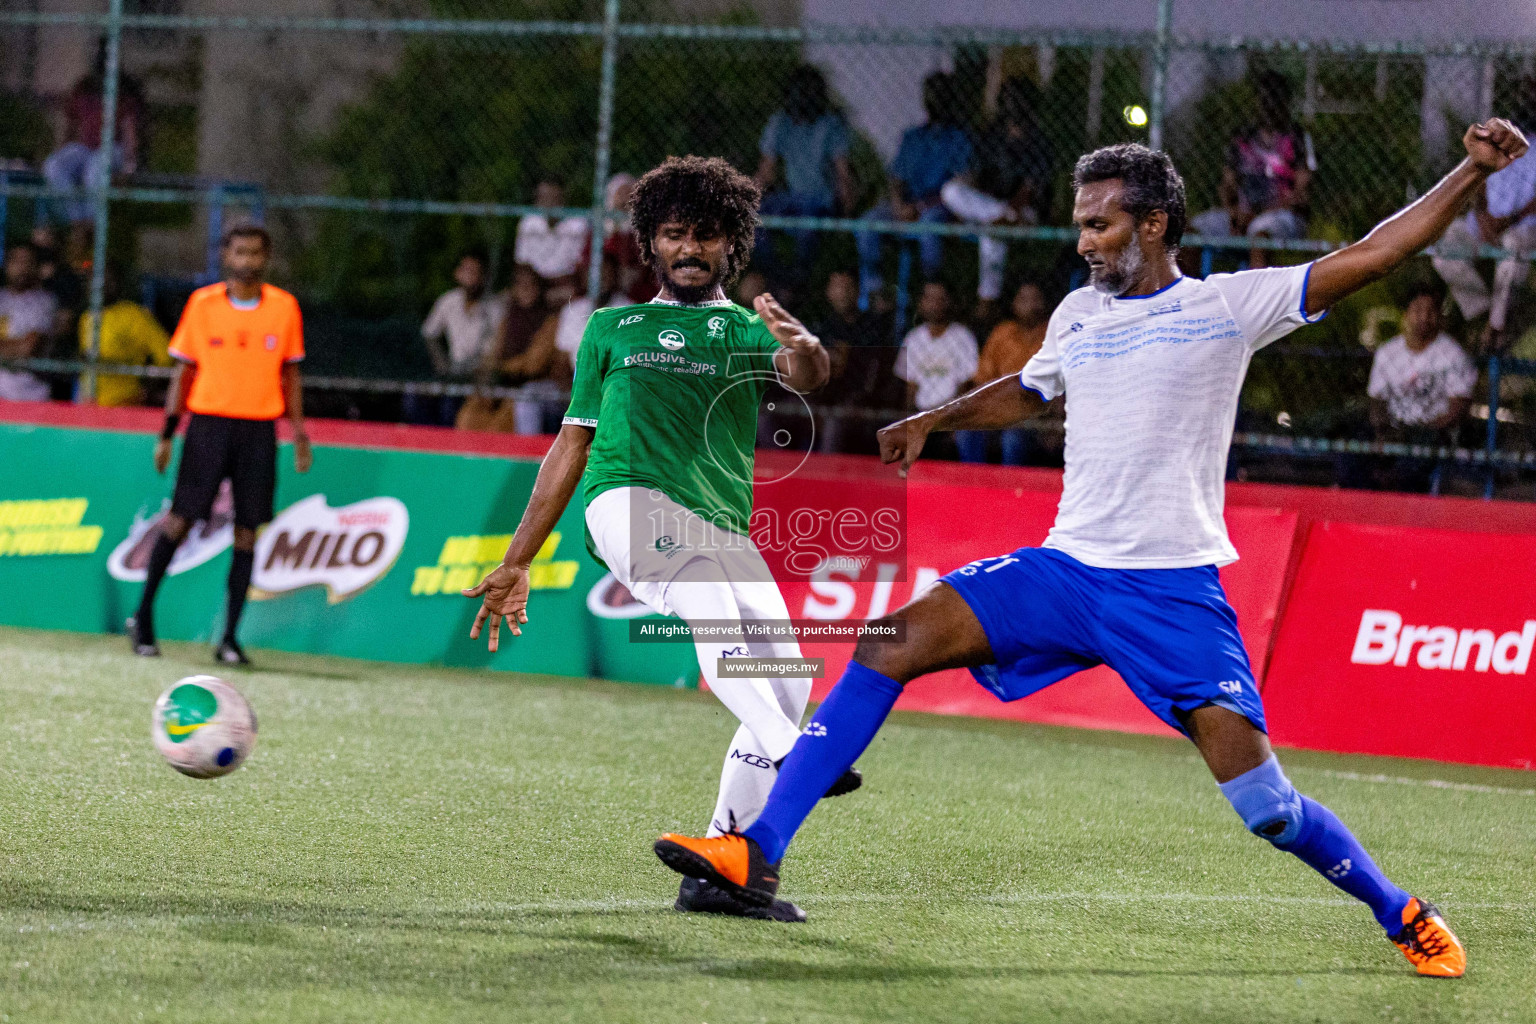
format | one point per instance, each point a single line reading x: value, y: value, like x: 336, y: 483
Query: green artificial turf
x: 411, y: 844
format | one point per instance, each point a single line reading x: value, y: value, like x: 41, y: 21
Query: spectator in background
x: 1502, y: 215
x: 938, y: 358
x: 59, y: 278
x: 1224, y: 220
x: 554, y: 249
x: 863, y: 365
x: 1010, y: 183
x: 1270, y: 165
x: 808, y: 139
x: 27, y: 312
x: 547, y: 366
x: 1421, y: 381
x: 78, y: 164
x: 930, y: 155
x: 130, y: 335
x: 56, y: 275
x: 1011, y: 344
x: 751, y: 285
x: 1227, y: 217
x: 571, y: 324
x: 622, y: 247
x: 458, y: 334
x: 525, y: 312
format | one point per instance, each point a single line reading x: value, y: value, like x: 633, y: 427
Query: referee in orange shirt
x: 239, y: 345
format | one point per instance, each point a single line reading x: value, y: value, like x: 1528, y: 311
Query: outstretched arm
x: 1491, y: 146
x: 1003, y: 403
x: 802, y: 364
x: 505, y: 590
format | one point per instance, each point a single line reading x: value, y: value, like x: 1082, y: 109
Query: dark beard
x: 688, y: 295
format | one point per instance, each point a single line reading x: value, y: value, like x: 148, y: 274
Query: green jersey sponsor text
x: 672, y: 392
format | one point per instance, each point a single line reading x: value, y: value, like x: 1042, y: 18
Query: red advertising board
x: 1411, y: 643
x: 949, y: 524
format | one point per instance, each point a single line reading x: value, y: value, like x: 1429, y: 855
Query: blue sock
x: 1332, y: 850
x: 1272, y: 809
x: 842, y: 727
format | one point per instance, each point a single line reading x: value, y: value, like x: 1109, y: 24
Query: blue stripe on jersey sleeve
x: 1302, y: 309
x: 1031, y: 387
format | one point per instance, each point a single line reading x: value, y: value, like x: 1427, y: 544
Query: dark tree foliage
x: 485, y: 120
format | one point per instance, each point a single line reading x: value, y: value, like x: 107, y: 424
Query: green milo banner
x: 365, y: 558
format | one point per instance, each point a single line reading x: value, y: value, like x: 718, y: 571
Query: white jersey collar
x: 1150, y: 295
x: 659, y: 301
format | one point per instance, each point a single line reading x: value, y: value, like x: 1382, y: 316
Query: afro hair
x: 706, y: 192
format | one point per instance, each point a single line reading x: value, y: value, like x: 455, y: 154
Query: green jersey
x: 673, y: 392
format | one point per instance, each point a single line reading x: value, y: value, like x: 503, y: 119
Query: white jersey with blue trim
x: 1152, y: 383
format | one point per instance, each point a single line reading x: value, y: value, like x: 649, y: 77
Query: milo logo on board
x: 344, y: 549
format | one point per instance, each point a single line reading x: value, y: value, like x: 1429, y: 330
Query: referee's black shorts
x: 219, y: 448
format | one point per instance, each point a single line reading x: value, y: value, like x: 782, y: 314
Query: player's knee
x: 884, y: 656
x: 245, y: 538
x: 1267, y: 802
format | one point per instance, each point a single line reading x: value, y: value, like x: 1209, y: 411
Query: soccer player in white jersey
x: 661, y: 424
x: 1151, y: 364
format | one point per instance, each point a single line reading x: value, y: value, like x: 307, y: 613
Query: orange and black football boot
x: 1431, y: 946
x: 846, y: 783
x: 733, y: 862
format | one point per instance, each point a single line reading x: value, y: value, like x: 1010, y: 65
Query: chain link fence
x: 383, y: 139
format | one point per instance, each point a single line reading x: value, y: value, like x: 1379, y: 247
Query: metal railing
x: 1150, y: 66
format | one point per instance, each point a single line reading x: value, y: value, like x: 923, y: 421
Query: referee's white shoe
x: 142, y: 640
x: 229, y: 653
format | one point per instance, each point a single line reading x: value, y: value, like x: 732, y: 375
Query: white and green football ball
x: 203, y: 727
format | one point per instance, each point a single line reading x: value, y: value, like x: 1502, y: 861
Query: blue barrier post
x: 1160, y: 74
x: 1492, y: 444
x: 86, y: 391
x: 903, y: 289
x: 598, y: 215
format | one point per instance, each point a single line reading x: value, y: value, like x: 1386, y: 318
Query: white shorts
x: 647, y: 539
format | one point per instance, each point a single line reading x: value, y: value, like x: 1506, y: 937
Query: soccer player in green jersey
x: 662, y: 420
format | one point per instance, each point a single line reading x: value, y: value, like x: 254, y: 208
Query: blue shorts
x: 1170, y: 633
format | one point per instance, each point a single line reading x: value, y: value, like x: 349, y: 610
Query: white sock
x: 745, y: 780
x: 754, y: 702
x: 769, y: 709
x: 748, y: 773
